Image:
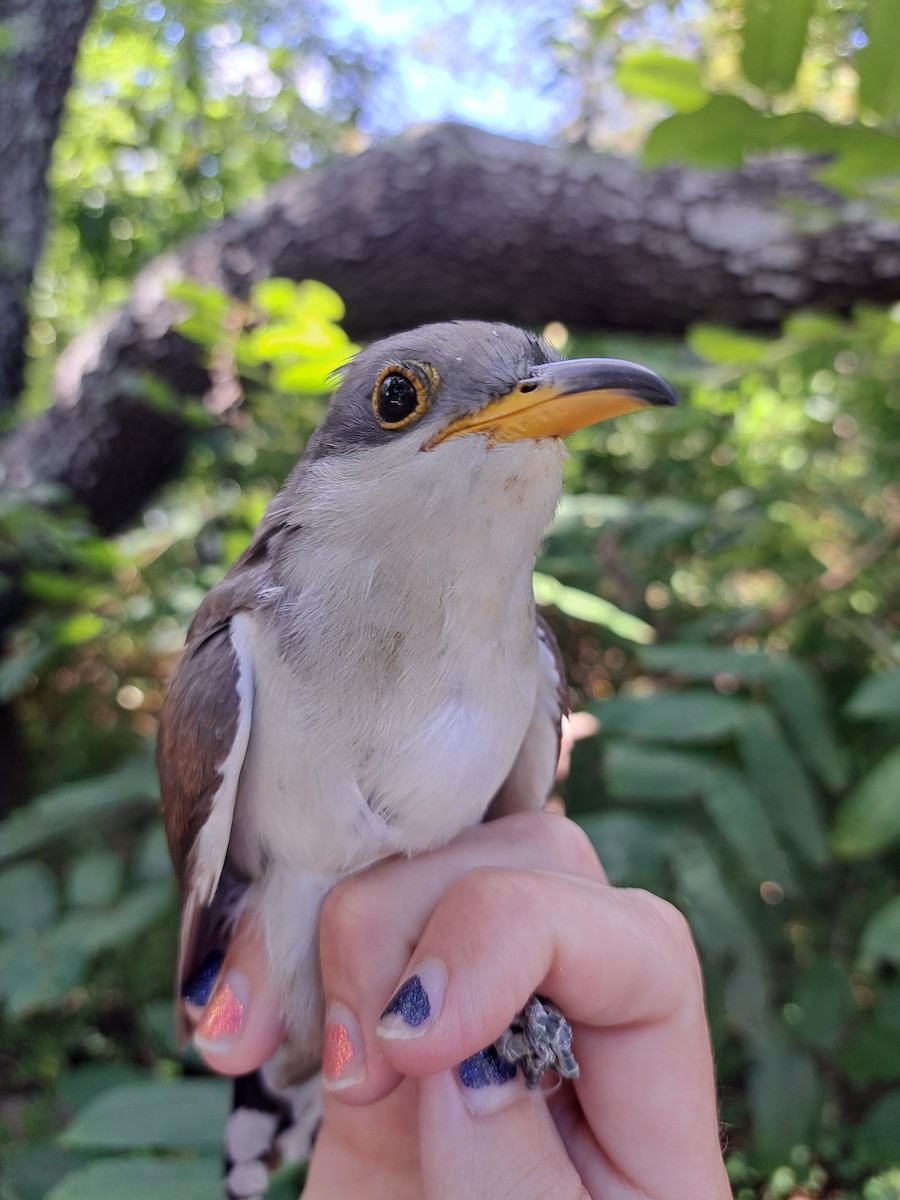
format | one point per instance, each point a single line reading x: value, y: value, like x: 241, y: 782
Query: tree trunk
x: 39, y: 42
x: 453, y: 222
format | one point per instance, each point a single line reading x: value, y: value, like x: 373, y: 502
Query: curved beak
x: 558, y: 398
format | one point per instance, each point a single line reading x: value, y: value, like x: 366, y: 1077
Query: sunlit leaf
x: 719, y: 134
x: 868, y: 820
x: 774, y: 37
x: 594, y: 609
x: 80, y: 628
x: 720, y: 344
x: 153, y: 1114
x: 656, y: 76
x: 878, y: 64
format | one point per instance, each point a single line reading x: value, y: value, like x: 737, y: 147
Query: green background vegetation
x: 724, y: 583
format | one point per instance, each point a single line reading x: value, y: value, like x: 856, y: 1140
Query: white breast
x: 396, y: 672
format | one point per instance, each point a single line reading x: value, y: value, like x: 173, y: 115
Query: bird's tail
x: 268, y: 1125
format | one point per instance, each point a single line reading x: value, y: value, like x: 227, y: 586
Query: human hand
x: 512, y: 907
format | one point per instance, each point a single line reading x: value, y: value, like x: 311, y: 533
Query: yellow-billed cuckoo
x: 370, y: 676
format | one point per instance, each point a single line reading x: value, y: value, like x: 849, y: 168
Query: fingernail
x: 198, y: 988
x: 484, y: 1078
x: 416, y: 1004
x: 222, y: 1022
x: 343, y: 1063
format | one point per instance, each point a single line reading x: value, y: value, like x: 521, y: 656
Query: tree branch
x: 39, y: 43
x: 451, y: 222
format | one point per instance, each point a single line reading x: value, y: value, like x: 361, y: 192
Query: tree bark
x: 39, y: 43
x: 452, y: 222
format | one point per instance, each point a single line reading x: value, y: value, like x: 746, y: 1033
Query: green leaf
x: 31, y: 1168
x: 801, y: 703
x: 284, y: 298
x: 582, y: 606
x: 655, y: 76
x: 878, y: 64
x: 78, y: 629
x: 744, y: 824
x: 155, y: 1114
x: 94, y: 930
x: 37, y: 970
x: 689, y: 717
x: 18, y: 667
x: 778, y: 778
x: 876, y: 1142
x: 821, y: 1003
x: 785, y: 1095
x: 634, y: 772
x: 729, y: 347
x: 68, y: 809
x: 719, y: 134
x: 311, y: 378
x: 36, y: 973
x: 774, y: 37
x: 699, y: 661
x: 633, y: 848
x: 872, y: 1053
x: 143, y: 1179
x: 94, y: 880
x: 868, y: 820
x: 29, y: 898
x: 880, y: 942
x: 721, y: 928
x: 877, y: 698
x: 80, y: 1086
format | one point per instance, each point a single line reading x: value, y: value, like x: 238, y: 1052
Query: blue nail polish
x: 486, y: 1068
x: 198, y: 988
x: 410, y: 1002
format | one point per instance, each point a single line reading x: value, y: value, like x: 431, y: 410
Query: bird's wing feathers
x: 203, y: 737
x: 530, y: 780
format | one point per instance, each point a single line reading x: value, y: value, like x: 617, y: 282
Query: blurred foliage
x: 180, y: 112
x: 724, y: 583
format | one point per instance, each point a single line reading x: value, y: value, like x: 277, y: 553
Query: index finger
x: 622, y: 967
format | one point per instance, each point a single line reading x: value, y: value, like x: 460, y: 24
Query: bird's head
x: 452, y: 435
x: 439, y: 383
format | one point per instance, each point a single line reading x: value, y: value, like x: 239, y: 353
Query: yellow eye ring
x: 400, y: 396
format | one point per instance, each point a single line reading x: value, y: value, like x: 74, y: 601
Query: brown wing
x: 530, y: 782
x: 203, y: 737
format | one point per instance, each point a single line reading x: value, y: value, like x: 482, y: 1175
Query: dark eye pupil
x: 397, y: 398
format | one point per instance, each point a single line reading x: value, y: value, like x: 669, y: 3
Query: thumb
x: 485, y: 1136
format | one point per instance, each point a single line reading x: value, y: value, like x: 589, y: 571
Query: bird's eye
x: 399, y: 397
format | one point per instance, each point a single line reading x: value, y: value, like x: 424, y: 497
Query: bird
x: 371, y: 676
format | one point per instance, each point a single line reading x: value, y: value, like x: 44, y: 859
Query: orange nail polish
x: 342, y: 1063
x: 224, y: 1016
